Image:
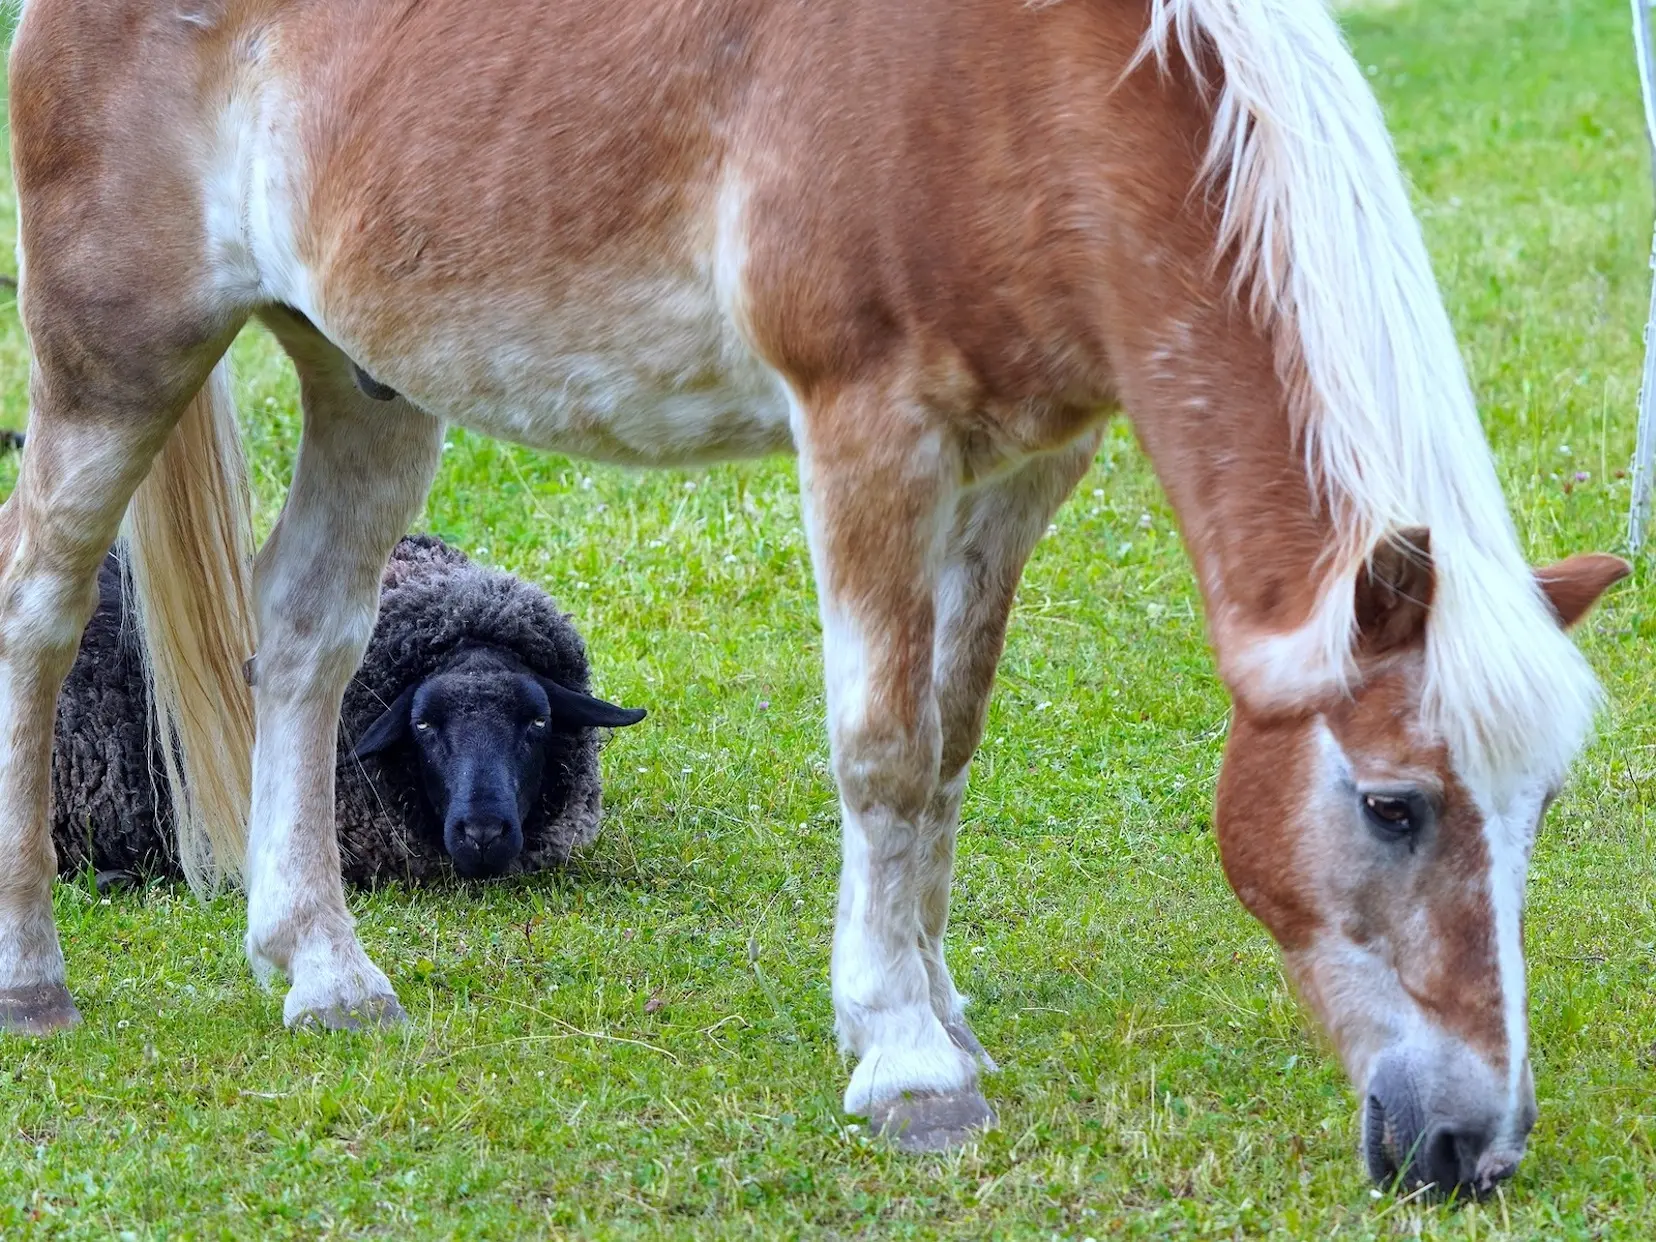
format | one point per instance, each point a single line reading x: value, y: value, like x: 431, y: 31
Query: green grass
x: 642, y: 1046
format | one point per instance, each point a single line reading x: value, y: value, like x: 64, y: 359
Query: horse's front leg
x: 361, y: 477
x: 996, y: 526
x: 880, y: 487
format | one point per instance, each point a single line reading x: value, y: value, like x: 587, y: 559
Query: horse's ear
x: 1574, y: 585
x: 389, y: 729
x: 1394, y: 591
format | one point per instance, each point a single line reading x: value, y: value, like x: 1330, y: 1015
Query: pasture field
x: 642, y: 1047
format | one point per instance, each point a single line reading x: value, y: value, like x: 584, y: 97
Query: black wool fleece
x: 108, y: 813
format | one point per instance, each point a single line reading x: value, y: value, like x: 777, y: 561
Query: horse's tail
x: 190, y: 554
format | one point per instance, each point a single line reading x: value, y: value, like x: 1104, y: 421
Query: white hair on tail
x: 1317, y: 217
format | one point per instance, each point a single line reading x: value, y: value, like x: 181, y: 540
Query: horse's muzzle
x: 1412, y: 1144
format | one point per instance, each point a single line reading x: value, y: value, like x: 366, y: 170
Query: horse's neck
x: 1197, y: 374
x: 1198, y: 379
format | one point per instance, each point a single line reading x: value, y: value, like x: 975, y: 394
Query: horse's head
x: 1395, y: 887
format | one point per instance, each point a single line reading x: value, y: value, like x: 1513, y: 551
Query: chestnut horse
x: 928, y: 246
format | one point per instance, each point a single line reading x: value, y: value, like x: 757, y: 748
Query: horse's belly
x: 606, y: 408
x: 642, y: 372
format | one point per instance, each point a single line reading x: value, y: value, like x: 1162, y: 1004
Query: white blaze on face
x: 1509, y: 834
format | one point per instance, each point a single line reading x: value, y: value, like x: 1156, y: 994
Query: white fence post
x: 1644, y: 455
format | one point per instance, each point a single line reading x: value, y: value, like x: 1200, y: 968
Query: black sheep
x: 467, y: 737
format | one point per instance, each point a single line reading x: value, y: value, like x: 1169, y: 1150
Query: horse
x: 930, y: 248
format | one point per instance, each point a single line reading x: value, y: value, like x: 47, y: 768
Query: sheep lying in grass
x: 467, y: 738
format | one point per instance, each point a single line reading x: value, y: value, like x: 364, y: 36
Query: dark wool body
x: 434, y: 603
x: 104, y: 798
x: 436, y: 609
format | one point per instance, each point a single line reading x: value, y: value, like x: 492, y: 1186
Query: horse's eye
x: 423, y: 725
x: 1395, y: 815
x: 539, y: 722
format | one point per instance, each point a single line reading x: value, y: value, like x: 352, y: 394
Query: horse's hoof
x: 961, y: 1036
x: 37, y: 1010
x: 932, y: 1120
x: 376, y: 1011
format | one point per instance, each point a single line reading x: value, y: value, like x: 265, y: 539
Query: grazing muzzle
x: 1394, y: 884
x: 1396, y: 899
x: 482, y: 729
x: 1441, y: 1119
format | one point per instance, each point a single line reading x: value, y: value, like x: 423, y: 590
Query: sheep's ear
x: 574, y: 710
x: 389, y: 729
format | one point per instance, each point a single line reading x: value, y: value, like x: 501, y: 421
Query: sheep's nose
x: 482, y: 831
x: 481, y: 844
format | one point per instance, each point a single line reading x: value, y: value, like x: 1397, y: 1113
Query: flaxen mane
x: 1328, y: 251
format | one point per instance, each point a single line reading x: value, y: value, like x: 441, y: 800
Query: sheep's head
x: 480, y: 727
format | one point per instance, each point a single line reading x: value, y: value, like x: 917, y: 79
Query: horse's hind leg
x: 995, y: 529
x: 125, y: 324
x: 79, y: 471
x: 363, y: 471
x: 105, y: 389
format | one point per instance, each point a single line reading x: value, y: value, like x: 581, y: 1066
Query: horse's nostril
x: 1440, y: 1158
x: 1392, y: 1123
x: 1449, y: 1156
x: 1377, y: 1142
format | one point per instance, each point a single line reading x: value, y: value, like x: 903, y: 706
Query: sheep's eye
x: 423, y: 725
x: 539, y: 722
x: 1395, y: 815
